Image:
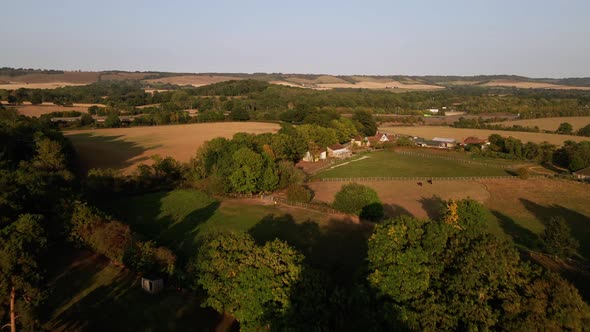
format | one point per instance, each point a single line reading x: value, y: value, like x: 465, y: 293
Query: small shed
x: 445, y: 142
x: 152, y: 285
x: 339, y: 151
x: 583, y: 174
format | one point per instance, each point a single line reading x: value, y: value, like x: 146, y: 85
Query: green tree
x: 367, y: 126
x: 565, y: 128
x: 239, y: 114
x: 557, y: 240
x: 584, y: 131
x: 21, y: 246
x: 360, y: 200
x: 112, y: 121
x: 252, y: 283
x: 247, y: 170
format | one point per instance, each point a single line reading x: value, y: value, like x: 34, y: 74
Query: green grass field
x: 392, y: 164
x: 179, y: 218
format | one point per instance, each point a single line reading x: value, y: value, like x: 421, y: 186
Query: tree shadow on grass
x: 520, y: 235
x: 98, y: 151
x: 338, y: 248
x: 432, y: 206
x: 121, y: 305
x: 394, y: 211
x: 579, y: 223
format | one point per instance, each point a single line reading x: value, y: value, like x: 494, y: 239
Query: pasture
x: 519, y: 209
x: 552, y: 124
x: 194, y: 80
x: 125, y: 148
x: 393, y: 164
x: 460, y: 134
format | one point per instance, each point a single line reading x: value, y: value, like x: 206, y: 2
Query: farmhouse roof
x: 474, y: 140
x: 336, y: 146
x: 358, y: 138
x: 444, y: 140
x: 583, y: 171
x: 380, y: 135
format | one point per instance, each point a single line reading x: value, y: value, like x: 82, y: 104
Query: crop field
x: 125, y: 148
x: 577, y: 122
x: 194, y: 80
x: 460, y: 134
x: 532, y: 85
x: 392, y: 164
x: 38, y: 110
x: 519, y: 208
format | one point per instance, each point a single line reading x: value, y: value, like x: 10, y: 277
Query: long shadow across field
x: 98, y: 151
x: 520, y: 235
x: 579, y: 223
x: 340, y: 247
x: 145, y: 218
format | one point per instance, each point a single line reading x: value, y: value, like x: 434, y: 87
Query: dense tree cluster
x: 359, y: 200
x: 453, y: 275
x: 573, y: 156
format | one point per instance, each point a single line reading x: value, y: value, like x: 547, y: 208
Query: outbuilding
x: 152, y: 285
x: 339, y: 151
x: 444, y: 142
x: 583, y: 174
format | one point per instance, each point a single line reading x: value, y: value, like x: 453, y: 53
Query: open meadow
x: 552, y: 124
x: 417, y: 164
x: 460, y: 134
x: 125, y: 148
x: 532, y: 85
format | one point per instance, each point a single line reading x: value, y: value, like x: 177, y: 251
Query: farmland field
x: 392, y: 164
x: 519, y: 208
x: 460, y: 134
x: 550, y: 123
x: 532, y: 85
x: 194, y: 80
x: 125, y: 148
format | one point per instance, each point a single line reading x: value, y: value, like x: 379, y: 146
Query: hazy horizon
x: 540, y: 39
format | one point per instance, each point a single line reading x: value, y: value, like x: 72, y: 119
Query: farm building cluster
x: 342, y: 151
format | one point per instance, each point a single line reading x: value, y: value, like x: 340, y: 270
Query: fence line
x: 282, y: 200
x: 423, y: 178
x: 425, y: 155
x: 584, y: 265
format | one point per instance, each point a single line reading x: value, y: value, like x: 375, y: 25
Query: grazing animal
x: 420, y: 184
x: 430, y: 181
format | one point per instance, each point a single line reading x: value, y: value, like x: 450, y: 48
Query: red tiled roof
x: 474, y: 140
x: 336, y: 146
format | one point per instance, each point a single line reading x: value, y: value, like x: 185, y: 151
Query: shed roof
x: 474, y: 140
x: 444, y: 140
x: 336, y: 146
x: 583, y: 171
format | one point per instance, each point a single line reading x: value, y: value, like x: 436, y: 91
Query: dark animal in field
x: 420, y: 184
x: 430, y: 181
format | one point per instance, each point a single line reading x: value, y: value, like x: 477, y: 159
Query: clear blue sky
x: 450, y: 37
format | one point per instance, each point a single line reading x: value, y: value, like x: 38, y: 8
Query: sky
x: 419, y: 37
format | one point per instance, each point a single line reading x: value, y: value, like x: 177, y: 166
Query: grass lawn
x: 389, y: 163
x: 178, y: 219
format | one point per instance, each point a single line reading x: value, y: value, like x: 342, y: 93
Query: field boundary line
x: 423, y: 178
x: 425, y: 155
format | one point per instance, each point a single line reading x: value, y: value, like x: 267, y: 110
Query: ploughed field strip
x: 393, y: 164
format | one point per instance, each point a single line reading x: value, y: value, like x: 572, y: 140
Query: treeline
x: 572, y: 155
x: 263, y: 100
x: 564, y: 128
x: 7, y: 71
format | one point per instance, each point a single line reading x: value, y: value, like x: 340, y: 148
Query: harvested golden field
x: 69, y: 77
x: 380, y: 85
x: 533, y: 85
x: 519, y: 209
x: 460, y: 134
x: 323, y: 79
x: 51, y: 85
x: 549, y: 123
x: 194, y: 80
x: 123, y: 76
x: 38, y: 110
x: 125, y: 148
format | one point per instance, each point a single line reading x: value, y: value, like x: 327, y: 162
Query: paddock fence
x: 423, y: 178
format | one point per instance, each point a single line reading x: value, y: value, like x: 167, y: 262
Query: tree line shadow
x: 578, y: 223
x: 101, y: 151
